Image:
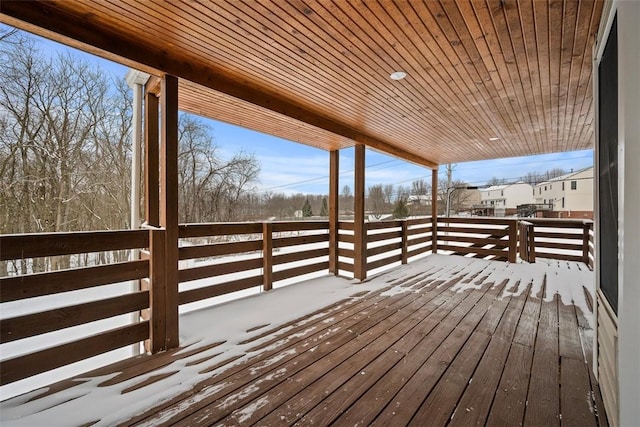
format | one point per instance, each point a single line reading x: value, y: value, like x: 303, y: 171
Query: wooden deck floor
x: 448, y: 345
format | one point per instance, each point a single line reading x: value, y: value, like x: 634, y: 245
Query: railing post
x: 531, y: 234
x: 360, y: 252
x: 585, y: 242
x: 513, y: 241
x: 267, y: 255
x: 157, y: 289
x: 405, y: 242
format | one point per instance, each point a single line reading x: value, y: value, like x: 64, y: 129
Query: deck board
x: 471, y: 343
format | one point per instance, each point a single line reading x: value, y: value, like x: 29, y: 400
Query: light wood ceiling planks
x: 317, y: 71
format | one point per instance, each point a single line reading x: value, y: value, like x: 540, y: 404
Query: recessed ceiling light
x: 398, y: 75
x: 494, y: 138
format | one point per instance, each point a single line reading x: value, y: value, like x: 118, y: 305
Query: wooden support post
x: 531, y: 234
x: 169, y: 201
x: 513, y: 241
x: 334, y: 209
x: 434, y: 211
x: 359, y: 226
x: 267, y: 255
x: 151, y: 167
x: 586, y: 226
x: 405, y: 242
x: 158, y: 326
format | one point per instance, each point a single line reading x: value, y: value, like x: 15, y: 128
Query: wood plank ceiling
x: 317, y: 72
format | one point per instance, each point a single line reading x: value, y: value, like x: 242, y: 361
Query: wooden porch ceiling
x: 317, y: 72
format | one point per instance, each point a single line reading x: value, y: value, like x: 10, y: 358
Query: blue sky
x: 289, y: 167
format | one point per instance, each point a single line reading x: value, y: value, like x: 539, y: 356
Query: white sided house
x: 568, y: 196
x: 504, y: 199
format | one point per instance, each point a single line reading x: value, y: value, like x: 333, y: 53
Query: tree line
x: 65, y: 148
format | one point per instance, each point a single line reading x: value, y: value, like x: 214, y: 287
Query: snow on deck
x: 240, y: 325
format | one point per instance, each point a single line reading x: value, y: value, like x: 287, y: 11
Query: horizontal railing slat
x: 491, y: 231
x: 345, y: 266
x: 39, y: 284
x: 299, y: 226
x: 423, y: 230
x: 347, y: 253
x: 29, y: 325
x: 559, y: 223
x: 20, y: 246
x: 25, y: 366
x: 418, y: 240
x: 556, y: 245
x: 419, y: 221
x: 378, y: 225
x: 219, y: 249
x: 300, y: 240
x: 418, y: 251
x: 218, y: 229
x: 558, y: 235
x: 476, y: 240
x: 347, y: 238
x: 189, y: 274
x: 192, y: 295
x: 564, y: 257
x: 346, y: 225
x: 384, y: 261
x: 299, y: 271
x: 476, y: 220
x: 384, y: 248
x: 300, y: 256
x: 384, y: 236
x: 472, y: 250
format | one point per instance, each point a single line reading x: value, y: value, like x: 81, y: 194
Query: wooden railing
x: 262, y: 253
x: 564, y: 239
x: 387, y: 242
x: 79, y: 308
x: 218, y: 259
x: 491, y: 238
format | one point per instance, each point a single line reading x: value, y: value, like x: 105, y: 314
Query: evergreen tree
x: 401, y: 210
x: 306, y: 209
x: 324, y: 210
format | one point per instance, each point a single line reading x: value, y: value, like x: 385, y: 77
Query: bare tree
x: 420, y: 187
x: 375, y: 202
x: 346, y: 199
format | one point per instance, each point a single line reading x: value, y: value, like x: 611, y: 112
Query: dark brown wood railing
x: 272, y: 252
x: 491, y: 238
x: 26, y: 249
x: 564, y: 239
x: 233, y: 257
x: 388, y: 242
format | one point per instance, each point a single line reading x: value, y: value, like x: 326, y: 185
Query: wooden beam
x: 151, y: 159
x: 169, y: 202
x: 52, y: 17
x: 334, y: 209
x: 434, y: 211
x: 359, y: 226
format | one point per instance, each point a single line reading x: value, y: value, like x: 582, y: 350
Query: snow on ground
x: 237, y: 321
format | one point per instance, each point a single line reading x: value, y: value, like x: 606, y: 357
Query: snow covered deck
x: 443, y: 340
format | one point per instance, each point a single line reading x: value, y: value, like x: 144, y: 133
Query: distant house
x: 568, y: 196
x: 501, y: 200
